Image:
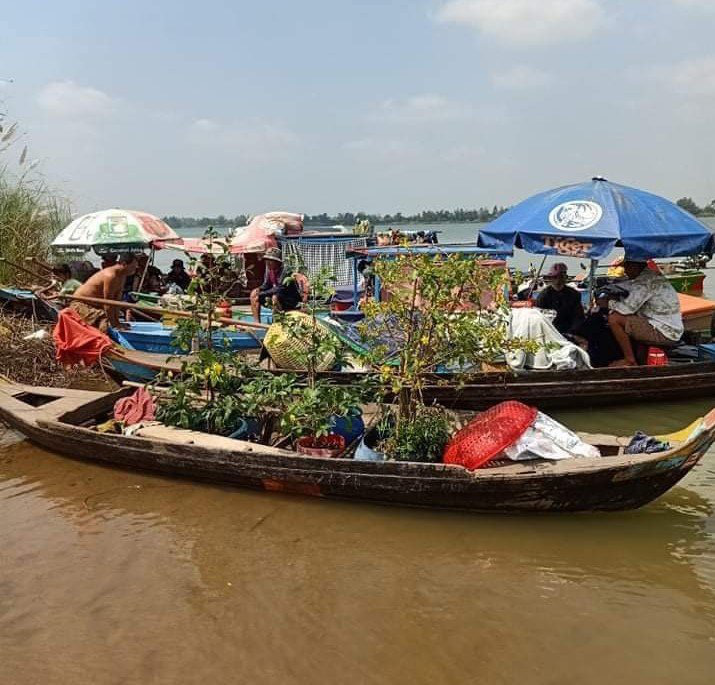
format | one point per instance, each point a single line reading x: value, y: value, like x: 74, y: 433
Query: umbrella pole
x: 146, y: 268
x: 592, y: 281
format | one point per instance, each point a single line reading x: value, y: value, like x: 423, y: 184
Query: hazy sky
x: 326, y: 105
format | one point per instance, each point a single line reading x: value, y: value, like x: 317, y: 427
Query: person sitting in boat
x: 595, y: 336
x: 106, y: 284
x: 649, y: 314
x: 178, y: 275
x: 562, y: 299
x: 62, y: 283
x: 279, y: 290
x: 148, y: 278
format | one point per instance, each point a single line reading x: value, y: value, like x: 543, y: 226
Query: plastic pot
x: 366, y: 449
x: 328, y: 446
x: 246, y: 429
x: 351, y: 427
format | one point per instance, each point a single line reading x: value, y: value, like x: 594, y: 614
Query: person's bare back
x: 108, y: 284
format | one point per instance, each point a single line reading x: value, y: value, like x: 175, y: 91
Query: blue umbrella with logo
x: 590, y: 219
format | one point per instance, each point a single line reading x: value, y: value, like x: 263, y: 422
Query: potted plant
x: 446, y: 311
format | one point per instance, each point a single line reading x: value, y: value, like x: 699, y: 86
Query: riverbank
x: 33, y: 361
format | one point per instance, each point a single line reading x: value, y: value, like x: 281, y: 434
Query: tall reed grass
x: 31, y: 214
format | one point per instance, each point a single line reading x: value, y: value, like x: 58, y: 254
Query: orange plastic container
x: 697, y: 312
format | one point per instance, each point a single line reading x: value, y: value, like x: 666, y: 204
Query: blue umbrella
x: 590, y: 219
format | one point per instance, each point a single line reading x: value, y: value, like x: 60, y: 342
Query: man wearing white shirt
x: 650, y: 313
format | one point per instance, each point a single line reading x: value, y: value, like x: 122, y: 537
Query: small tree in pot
x: 438, y: 312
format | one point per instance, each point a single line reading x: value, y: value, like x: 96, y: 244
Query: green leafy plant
x: 216, y: 389
x: 445, y: 312
x: 310, y: 410
x: 421, y: 439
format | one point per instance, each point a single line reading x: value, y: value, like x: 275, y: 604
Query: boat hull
x: 543, y: 389
x: 605, y: 484
x: 154, y: 337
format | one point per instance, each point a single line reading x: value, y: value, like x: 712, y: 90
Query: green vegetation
x: 445, y: 312
x: 483, y: 214
x: 31, y: 214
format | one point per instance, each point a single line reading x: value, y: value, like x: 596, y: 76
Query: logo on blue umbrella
x: 577, y: 215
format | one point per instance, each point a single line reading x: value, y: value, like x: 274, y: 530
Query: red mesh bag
x: 488, y: 434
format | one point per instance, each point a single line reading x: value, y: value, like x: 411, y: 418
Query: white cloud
x: 526, y: 22
x: 418, y: 109
x: 205, y: 125
x: 522, y: 77
x: 249, y: 139
x: 698, y: 4
x: 69, y: 99
x: 690, y: 78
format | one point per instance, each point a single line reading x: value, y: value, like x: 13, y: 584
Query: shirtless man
x: 108, y: 285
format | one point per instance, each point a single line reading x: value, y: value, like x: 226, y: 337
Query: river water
x: 108, y: 576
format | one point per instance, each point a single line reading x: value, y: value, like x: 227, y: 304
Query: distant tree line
x: 689, y: 205
x: 482, y: 215
x: 219, y: 221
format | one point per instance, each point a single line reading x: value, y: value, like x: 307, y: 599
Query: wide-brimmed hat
x: 557, y: 270
x: 274, y: 254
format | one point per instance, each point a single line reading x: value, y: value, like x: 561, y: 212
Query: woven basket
x: 286, y: 349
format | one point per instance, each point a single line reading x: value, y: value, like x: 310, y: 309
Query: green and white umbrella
x: 113, y: 230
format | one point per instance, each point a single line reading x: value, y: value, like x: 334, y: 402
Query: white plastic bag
x: 548, y: 439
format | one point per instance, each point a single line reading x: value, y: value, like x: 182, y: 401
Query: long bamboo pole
x: 247, y: 325
x: 20, y: 267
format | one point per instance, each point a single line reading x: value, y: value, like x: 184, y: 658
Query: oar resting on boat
x: 61, y: 420
x: 149, y: 309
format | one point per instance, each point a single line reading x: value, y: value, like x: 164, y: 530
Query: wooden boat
x: 543, y: 389
x: 26, y: 303
x: 60, y: 420
x: 688, y: 281
x: 153, y: 336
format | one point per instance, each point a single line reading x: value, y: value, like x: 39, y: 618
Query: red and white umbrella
x: 114, y: 229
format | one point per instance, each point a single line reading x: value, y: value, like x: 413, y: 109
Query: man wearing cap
x: 277, y: 290
x: 562, y: 299
x: 650, y: 313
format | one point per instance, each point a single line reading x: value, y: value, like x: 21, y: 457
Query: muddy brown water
x: 113, y: 577
x: 109, y: 576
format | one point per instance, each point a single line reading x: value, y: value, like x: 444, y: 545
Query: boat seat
x: 183, y: 436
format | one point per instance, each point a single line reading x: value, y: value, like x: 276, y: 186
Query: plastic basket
x: 488, y: 434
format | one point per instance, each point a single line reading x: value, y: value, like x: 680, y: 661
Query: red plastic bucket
x: 656, y: 356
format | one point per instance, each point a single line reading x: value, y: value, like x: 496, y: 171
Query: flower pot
x: 246, y: 429
x: 351, y: 427
x: 241, y: 430
x: 366, y: 449
x: 325, y: 446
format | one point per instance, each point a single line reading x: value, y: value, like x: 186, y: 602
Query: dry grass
x: 33, y: 361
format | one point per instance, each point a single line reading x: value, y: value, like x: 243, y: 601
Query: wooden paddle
x: 241, y: 325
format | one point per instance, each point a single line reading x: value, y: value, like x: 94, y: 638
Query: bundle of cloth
x: 554, y: 351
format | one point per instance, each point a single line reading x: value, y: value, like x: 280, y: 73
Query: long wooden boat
x: 59, y: 420
x: 544, y: 389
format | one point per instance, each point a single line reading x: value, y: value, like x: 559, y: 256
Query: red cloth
x: 135, y: 408
x: 76, y: 342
